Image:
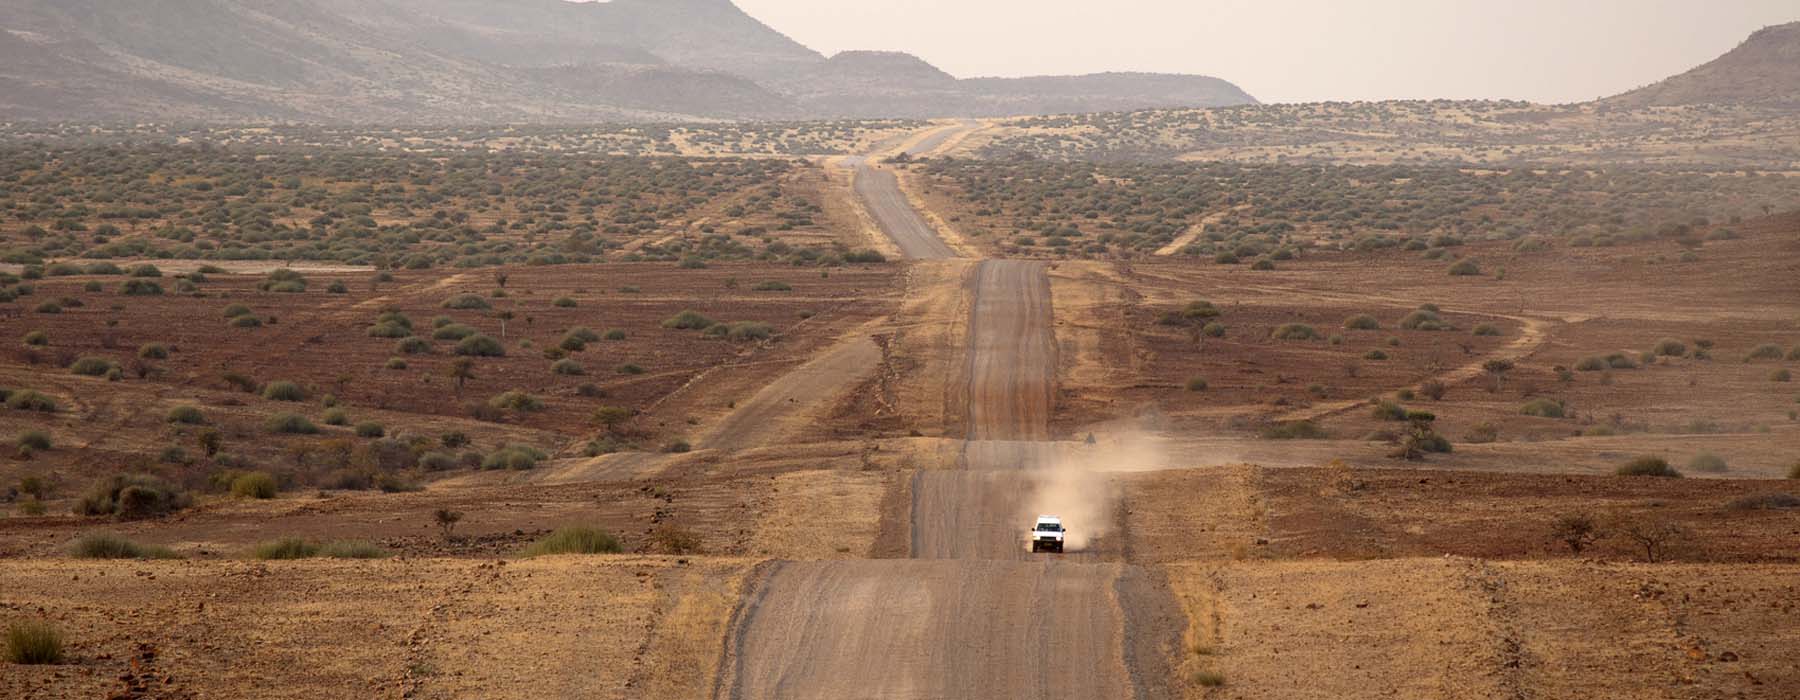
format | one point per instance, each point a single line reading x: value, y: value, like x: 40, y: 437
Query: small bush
x: 1769, y: 501
x: 1433, y: 389
x: 1362, y: 322
x: 370, y: 429
x: 1294, y: 331
x: 467, y: 302
x: 285, y: 549
x: 749, y: 330
x: 353, y: 549
x: 1375, y: 355
x: 1296, y: 430
x: 688, y: 321
x: 236, y: 310
x: 29, y: 400
x: 140, y: 288
x: 283, y: 391
x: 292, y: 424
x: 132, y: 496
x: 413, y: 346
x: 34, y: 643
x: 1209, y: 679
x: 1794, y: 471
x: 773, y: 286
x: 1196, y: 384
x: 1465, y: 267
x: 1781, y: 375
x: 1669, y: 347
x: 1709, y: 463
x: 256, y: 485
x: 568, y: 368
x: 454, y: 331
x: 92, y: 366
x: 1544, y: 408
x: 563, y: 303
x: 1213, y: 330
x: 1388, y: 410
x: 514, y: 457
x: 336, y: 416
x: 575, y: 540
x: 36, y: 338
x: 518, y: 401
x: 629, y: 368
x: 615, y: 334
x: 145, y: 270
x: 480, y: 346
x: 246, y: 321
x: 34, y: 439
x: 1766, y: 351
x: 1486, y: 330
x: 389, y: 329
x: 49, y: 307
x: 1648, y: 466
x: 110, y: 546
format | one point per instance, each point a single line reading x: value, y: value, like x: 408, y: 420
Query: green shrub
x: 292, y: 424
x: 92, y: 366
x: 1669, y: 347
x: 516, y: 400
x: 1375, y: 355
x: 257, y: 485
x: 575, y: 540
x: 615, y: 334
x: 864, y: 256
x: 1295, y: 430
x: 140, y: 288
x: 454, y: 331
x: 1388, y: 410
x: 29, y: 400
x: 49, y: 307
x: 34, y: 439
x: 564, y: 303
x: 1709, y: 463
x: 413, y: 346
x: 1486, y: 330
x: 284, y: 549
x: 246, y: 321
x: 1544, y: 408
x: 353, y: 549
x: 153, y: 351
x: 283, y: 391
x: 145, y: 270
x: 629, y: 368
x: 389, y: 329
x: 1648, y: 466
x: 1465, y: 267
x: 568, y: 368
x: 1209, y: 679
x: 187, y: 415
x: 1362, y: 322
x: 1781, y: 375
x: 1766, y: 351
x: 1423, y: 319
x: 1214, y: 330
x: 1294, y: 331
x: 749, y: 330
x: 480, y: 346
x: 687, y: 321
x: 773, y: 286
x: 37, y: 338
x: 132, y: 496
x: 370, y: 429
x: 515, y: 457
x: 1196, y: 384
x: 33, y: 643
x: 102, y: 545
x: 467, y: 302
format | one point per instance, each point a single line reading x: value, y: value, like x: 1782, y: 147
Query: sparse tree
x: 1655, y: 536
x: 462, y: 369
x: 210, y: 441
x: 446, y: 520
x: 1576, y: 530
x: 504, y: 316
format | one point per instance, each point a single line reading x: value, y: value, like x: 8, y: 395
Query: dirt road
x: 974, y: 614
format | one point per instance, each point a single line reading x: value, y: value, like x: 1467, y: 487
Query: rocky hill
x: 436, y: 61
x: 1764, y: 70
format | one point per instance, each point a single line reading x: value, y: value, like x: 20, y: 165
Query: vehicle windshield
x: 1049, y: 527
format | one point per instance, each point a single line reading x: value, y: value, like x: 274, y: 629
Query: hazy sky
x: 1302, y: 50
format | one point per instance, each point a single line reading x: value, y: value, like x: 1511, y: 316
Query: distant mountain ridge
x: 445, y: 61
x: 1763, y: 70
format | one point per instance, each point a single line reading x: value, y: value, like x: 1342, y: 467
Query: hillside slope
x: 468, y: 61
x: 1764, y: 70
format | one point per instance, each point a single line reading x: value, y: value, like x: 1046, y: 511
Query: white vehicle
x: 1047, y: 534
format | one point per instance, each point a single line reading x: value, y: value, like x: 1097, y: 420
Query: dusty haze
x: 1302, y: 50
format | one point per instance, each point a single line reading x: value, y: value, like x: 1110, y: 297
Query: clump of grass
x: 29, y: 400
x: 292, y: 424
x: 1295, y: 430
x: 1766, y: 351
x: 34, y: 643
x: 370, y: 429
x: 1362, y: 322
x: 153, y: 351
x: 1209, y: 679
x: 1196, y: 384
x: 336, y: 416
x: 256, y: 485
x: 688, y: 321
x: 1465, y: 267
x: 518, y: 401
x: 101, y: 545
x: 413, y: 346
x: 773, y: 286
x: 1669, y: 347
x: 1544, y: 408
x: 1709, y: 463
x: 453, y: 331
x: 568, y: 368
x: 36, y: 338
x: 92, y: 366
x: 285, y: 548
x: 564, y: 303
x: 132, y: 496
x: 35, y: 439
x: 515, y: 457
x: 1781, y: 375
x: 283, y: 391
x: 574, y: 540
x: 1294, y: 331
x: 480, y: 346
x: 1648, y: 465
x: 353, y: 549
x: 1486, y: 330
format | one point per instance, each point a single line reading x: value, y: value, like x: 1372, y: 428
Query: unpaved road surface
x: 880, y: 192
x: 974, y: 614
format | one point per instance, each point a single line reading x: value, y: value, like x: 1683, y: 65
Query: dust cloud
x: 1076, y: 482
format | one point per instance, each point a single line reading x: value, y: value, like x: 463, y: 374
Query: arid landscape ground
x: 315, y: 413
